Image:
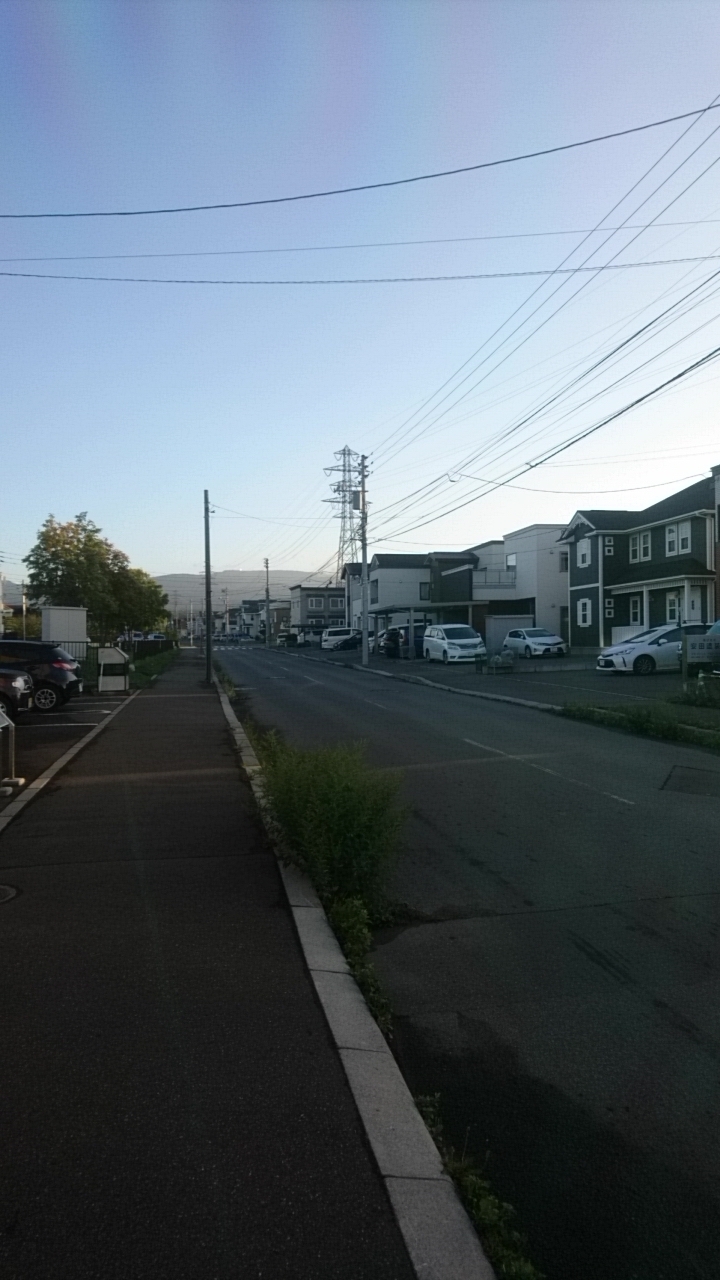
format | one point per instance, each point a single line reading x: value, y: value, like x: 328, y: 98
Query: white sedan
x: 452, y: 643
x: 659, y: 649
x: 534, y: 642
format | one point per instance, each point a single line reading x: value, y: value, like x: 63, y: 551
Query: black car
x: 15, y: 691
x: 55, y: 673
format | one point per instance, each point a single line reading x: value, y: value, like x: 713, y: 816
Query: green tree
x: 72, y: 564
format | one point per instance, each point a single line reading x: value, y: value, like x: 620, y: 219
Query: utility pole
x: 266, y: 562
x: 208, y: 596
x: 190, y: 625
x: 24, y: 610
x: 363, y: 547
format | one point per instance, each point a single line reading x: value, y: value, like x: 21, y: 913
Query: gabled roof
x: 697, y: 497
x: 352, y: 570
x: 398, y: 562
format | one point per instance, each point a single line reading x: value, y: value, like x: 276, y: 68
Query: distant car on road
x: 658, y: 649
x: 55, y: 674
x: 534, y: 642
x: 160, y: 635
x: 452, y: 642
x: 15, y: 691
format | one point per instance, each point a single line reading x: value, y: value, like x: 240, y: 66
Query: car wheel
x: 47, y: 698
x: 644, y: 665
x: 528, y: 651
x: 445, y: 657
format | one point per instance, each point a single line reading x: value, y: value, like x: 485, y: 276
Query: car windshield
x: 460, y: 633
x: 537, y: 631
x: 715, y: 629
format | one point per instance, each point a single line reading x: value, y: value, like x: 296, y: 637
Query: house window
x: 315, y: 602
x: 609, y: 607
x: 634, y: 547
x: 315, y: 622
x: 424, y: 590
x: 684, y: 538
x: 511, y: 560
x: 671, y: 540
x: 337, y: 602
x: 609, y: 546
x: 583, y: 553
x: 584, y: 613
x: 564, y: 561
x: 645, y: 545
x: 374, y: 590
x: 636, y: 611
x: 672, y: 604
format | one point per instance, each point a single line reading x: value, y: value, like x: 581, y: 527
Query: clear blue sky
x: 126, y: 400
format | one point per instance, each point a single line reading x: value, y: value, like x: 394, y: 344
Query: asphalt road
x: 559, y: 985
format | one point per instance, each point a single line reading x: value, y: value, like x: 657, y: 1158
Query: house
x: 399, y: 584
x: 352, y: 582
x: 314, y: 608
x: 629, y: 570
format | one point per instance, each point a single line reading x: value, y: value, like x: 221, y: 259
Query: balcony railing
x: 494, y: 577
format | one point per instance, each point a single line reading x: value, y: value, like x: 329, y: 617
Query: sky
x: 127, y: 400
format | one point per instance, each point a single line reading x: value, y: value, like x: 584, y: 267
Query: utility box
x: 113, y: 670
x: 64, y: 625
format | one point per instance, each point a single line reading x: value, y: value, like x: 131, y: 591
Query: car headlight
x: 619, y: 653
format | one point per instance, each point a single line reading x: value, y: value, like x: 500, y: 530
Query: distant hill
x: 184, y: 588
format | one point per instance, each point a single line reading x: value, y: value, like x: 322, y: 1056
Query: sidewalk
x: 174, y: 1107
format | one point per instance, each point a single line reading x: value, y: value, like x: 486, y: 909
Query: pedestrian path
x: 174, y: 1107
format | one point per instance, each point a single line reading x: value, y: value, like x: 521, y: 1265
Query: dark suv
x: 55, y: 673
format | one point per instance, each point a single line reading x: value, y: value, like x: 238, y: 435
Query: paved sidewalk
x: 174, y: 1108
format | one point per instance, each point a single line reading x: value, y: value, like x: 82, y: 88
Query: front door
x: 695, y: 605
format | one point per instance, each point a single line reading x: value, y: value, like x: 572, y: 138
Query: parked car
x: 353, y: 641
x: 16, y: 689
x: 534, y: 642
x: 396, y: 638
x: 657, y: 649
x: 332, y: 637
x: 160, y: 635
x: 376, y: 641
x: 56, y: 675
x: 452, y: 642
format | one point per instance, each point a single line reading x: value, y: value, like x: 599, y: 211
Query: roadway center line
x: 553, y: 772
x: 370, y: 703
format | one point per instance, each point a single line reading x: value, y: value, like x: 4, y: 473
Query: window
x: 315, y: 602
x: 609, y: 607
x: 374, y: 590
x: 337, y: 602
x: 684, y: 537
x: 424, y: 590
x: 511, y: 560
x: 583, y: 553
x: 645, y: 545
x: 584, y: 613
x: 564, y: 561
x: 636, y: 611
x: 672, y: 606
x: 609, y: 546
x: 634, y: 547
x: 671, y: 540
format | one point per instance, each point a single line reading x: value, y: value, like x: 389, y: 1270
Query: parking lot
x: 40, y: 739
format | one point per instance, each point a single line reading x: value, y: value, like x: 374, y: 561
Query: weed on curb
x: 503, y: 1243
x: 646, y: 721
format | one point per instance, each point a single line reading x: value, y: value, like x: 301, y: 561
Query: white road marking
x: 381, y: 705
x: 553, y: 772
x: 63, y: 724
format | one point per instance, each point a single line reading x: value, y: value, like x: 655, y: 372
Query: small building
x: 312, y: 609
x: 630, y: 570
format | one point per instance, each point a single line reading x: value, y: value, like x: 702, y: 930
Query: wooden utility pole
x: 266, y: 562
x: 364, y: 578
x: 208, y: 596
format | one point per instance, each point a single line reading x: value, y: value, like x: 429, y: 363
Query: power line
x: 569, y: 493
x: 370, y: 244
x: 366, y: 186
x: 481, y: 275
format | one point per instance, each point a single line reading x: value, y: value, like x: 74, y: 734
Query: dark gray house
x: 629, y: 570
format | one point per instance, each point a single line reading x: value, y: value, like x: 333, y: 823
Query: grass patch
x: 228, y: 685
x: 495, y: 1221
x: 146, y: 670
x: 655, y: 721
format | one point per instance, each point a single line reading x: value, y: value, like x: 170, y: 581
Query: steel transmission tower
x: 345, y: 491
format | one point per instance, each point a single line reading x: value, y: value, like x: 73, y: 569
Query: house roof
x: 697, y: 497
x: 398, y: 562
x: 353, y: 570
x: 456, y: 557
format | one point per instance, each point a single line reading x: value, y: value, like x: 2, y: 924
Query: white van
x: 333, y: 637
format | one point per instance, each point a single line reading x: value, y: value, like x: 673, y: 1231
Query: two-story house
x: 314, y: 608
x: 398, y: 584
x: 630, y: 570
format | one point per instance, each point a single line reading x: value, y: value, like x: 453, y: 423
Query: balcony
x: 494, y: 578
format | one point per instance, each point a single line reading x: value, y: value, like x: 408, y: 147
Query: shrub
x: 338, y: 817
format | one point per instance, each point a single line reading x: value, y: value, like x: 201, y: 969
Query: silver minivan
x: 333, y: 637
x: 452, y: 642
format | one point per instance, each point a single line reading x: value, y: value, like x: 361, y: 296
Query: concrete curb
x: 438, y: 1234
x: 34, y: 788
x: 435, y: 684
